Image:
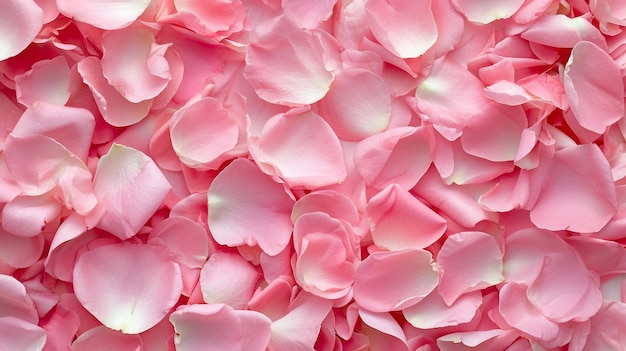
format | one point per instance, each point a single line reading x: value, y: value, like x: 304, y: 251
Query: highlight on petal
x: 127, y: 286
x: 487, y: 11
x: 433, y: 312
x: 219, y: 327
x: 468, y: 261
x: 303, y: 150
x: 561, y: 31
x: 248, y: 207
x: 227, y: 278
x: 47, y: 80
x: 358, y: 104
x: 20, y: 21
x: 596, y: 97
x: 394, y: 280
x: 126, y: 181
x: 103, y: 14
x: 400, y: 221
x: 406, y: 28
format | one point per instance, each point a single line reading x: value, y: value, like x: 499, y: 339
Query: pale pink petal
x: 308, y: 14
x: 126, y: 181
x: 560, y: 31
x: 335, y: 204
x: 433, y: 312
x: 396, y: 156
x: 494, y: 339
x: 20, y: 21
x: 375, y: 340
x: 104, y: 14
x: 510, y: 192
x: 216, y: 19
x: 187, y: 240
x: 400, y: 221
x: 27, y: 216
x: 607, y: 328
x: 19, y: 251
x: 71, y: 127
x: 441, y: 100
x: 487, y: 11
x: 596, y: 97
x: 303, y: 150
x: 290, y: 71
x: 248, y: 207
x: 219, y: 327
x: 15, y: 301
x: 48, y: 80
x: 134, y: 64
x: 102, y: 338
x: 229, y: 279
x: 128, y: 287
x: 198, y: 138
x: 18, y: 334
x: 520, y: 313
x: 115, y: 109
x: 385, y: 323
x: 358, y: 104
x: 580, y: 177
x: 406, y: 28
x: 394, y: 280
x: 468, y: 261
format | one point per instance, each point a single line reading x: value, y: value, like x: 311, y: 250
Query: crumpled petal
x: 20, y: 21
x: 103, y: 14
x: 128, y: 286
x: 227, y: 278
x: 248, y: 207
x: 215, y: 19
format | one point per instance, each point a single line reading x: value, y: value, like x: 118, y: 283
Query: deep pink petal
x: 20, y: 21
x: 487, y: 11
x: 48, y: 80
x: 102, y: 338
x: 229, y: 279
x: 303, y: 150
x: 128, y: 287
x: 104, y: 14
x: 61, y: 326
x: 393, y: 280
x: 404, y: 27
x: 248, y: 207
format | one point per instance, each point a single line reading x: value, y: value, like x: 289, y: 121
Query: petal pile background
x: 312, y: 175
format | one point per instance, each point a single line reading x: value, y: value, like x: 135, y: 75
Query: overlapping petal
x: 104, y: 14
x: 20, y: 22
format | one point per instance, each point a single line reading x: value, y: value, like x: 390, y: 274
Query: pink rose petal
x: 229, y: 279
x: 521, y: 314
x: 487, y: 11
x: 102, y: 338
x: 20, y: 21
x: 48, y: 80
x: 104, y: 14
x: 433, y: 312
x: 27, y: 216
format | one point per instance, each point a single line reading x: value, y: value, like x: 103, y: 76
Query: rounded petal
x: 26, y: 216
x: 19, y: 251
x: 487, y: 11
x: 102, y: 338
x: 187, y: 240
x: 20, y: 21
x: 433, y: 312
x: 48, y: 80
x: 229, y: 279
x: 18, y: 334
x: 126, y: 286
x: 103, y: 14
x: 520, y: 313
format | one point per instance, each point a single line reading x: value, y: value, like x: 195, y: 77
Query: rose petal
x: 433, y: 312
x: 487, y: 11
x: 521, y: 314
x: 26, y: 216
x: 20, y: 21
x: 229, y: 279
x: 48, y: 80
x: 104, y: 14
x: 102, y: 338
x: 187, y: 240
x: 19, y: 251
x: 18, y: 334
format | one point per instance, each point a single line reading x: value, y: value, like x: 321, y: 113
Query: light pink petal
x: 19, y: 251
x: 20, y: 21
x: 335, y: 204
x: 580, y: 177
x: 385, y: 323
x: 308, y: 14
x: 520, y: 313
x: 396, y: 156
x: 72, y: 127
x: 370, y: 338
x: 400, y: 221
x: 560, y: 31
x: 48, y: 80
x: 134, y: 64
x: 441, y: 100
x: 61, y: 325
x: 487, y: 11
x: 216, y: 19
x: 219, y: 327
x: 248, y: 207
x: 229, y: 279
x: 290, y: 71
x: 102, y: 338
x: 104, y: 14
x: 607, y: 328
x: 27, y: 216
x: 187, y: 240
x: 468, y: 261
x: 358, y: 104
x: 433, y: 312
x: 15, y: 301
x: 564, y: 297
x: 393, y: 280
x: 115, y: 109
x: 303, y: 150
x: 595, y: 96
x: 494, y: 339
x: 18, y: 334
x: 406, y: 28
x: 128, y: 287
x: 510, y: 192
x: 126, y: 182
x: 198, y: 138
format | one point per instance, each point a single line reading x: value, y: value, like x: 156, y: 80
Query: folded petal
x: 219, y: 327
x: 248, y: 207
x: 595, y: 96
x: 20, y: 21
x: 129, y: 188
x: 47, y: 80
x: 215, y: 19
x: 493, y: 339
x: 27, y: 216
x: 126, y: 286
x: 398, y: 220
x: 303, y: 150
x: 229, y: 279
x: 561, y: 31
x: 520, y: 313
x: 393, y: 280
x: 15, y: 301
x: 102, y: 338
x: 433, y: 312
x: 103, y: 14
x: 487, y: 11
x: 186, y: 240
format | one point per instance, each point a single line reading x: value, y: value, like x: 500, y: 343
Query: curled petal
x: 103, y: 14
x: 20, y: 21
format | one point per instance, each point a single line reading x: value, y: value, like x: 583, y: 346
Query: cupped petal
x: 227, y: 278
x: 596, y: 97
x: 487, y: 11
x: 20, y: 21
x: 126, y: 286
x: 103, y: 14
x: 406, y: 28
x: 433, y: 312
x: 126, y: 182
x: 102, y: 338
x: 335, y: 204
x: 303, y: 150
x: 398, y: 220
x: 248, y: 207
x: 520, y: 313
x: 393, y: 280
x: 47, y: 80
